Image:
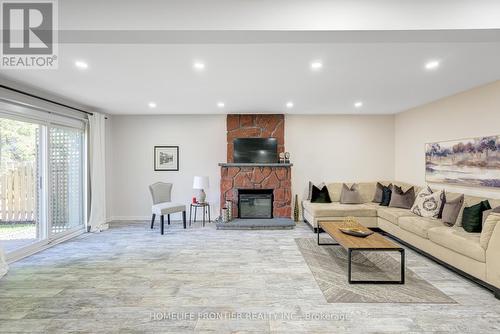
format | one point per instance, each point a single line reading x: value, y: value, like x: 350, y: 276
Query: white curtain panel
x: 97, y: 219
x: 3, y: 265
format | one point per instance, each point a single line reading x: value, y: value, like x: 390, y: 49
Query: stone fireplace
x: 273, y: 178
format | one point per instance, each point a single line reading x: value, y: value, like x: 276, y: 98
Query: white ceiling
x: 259, y: 71
x: 278, y: 14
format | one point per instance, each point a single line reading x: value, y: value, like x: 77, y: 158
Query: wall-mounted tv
x: 255, y: 150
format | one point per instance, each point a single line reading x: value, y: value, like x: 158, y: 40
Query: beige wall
x: 469, y: 114
x: 339, y: 148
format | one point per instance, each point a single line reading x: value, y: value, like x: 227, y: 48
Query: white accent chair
x: 161, y: 194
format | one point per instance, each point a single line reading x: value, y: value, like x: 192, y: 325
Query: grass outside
x: 14, y: 231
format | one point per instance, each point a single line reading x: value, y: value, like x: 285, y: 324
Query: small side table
x: 205, y: 207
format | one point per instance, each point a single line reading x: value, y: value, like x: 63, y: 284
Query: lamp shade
x: 200, y: 182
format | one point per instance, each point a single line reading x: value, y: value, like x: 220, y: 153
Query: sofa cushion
x: 167, y: 208
x: 428, y: 204
x: 393, y: 214
x: 309, y: 192
x: 458, y: 240
x: 366, y: 190
x: 418, y: 225
x: 386, y: 196
x: 488, y: 212
x: 320, y: 195
x: 336, y: 209
x: 470, y: 201
x: 402, y: 199
x: 472, y: 219
x: 350, y: 195
x: 379, y: 191
x: 451, y: 210
x: 489, y: 225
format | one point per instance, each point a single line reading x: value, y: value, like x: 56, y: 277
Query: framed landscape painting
x: 166, y: 158
x: 466, y: 162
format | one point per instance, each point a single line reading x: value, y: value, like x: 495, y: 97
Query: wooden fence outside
x: 18, y: 193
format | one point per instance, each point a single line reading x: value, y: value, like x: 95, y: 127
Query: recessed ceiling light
x: 81, y: 64
x: 289, y: 104
x: 221, y: 104
x: 432, y: 65
x: 199, y: 66
x: 316, y: 65
x: 358, y: 104
x: 152, y: 105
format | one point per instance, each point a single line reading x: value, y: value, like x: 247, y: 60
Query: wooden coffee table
x: 372, y: 243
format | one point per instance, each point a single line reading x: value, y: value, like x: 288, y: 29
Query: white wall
x: 202, y: 145
x: 339, y: 148
x: 323, y: 148
x: 466, y: 115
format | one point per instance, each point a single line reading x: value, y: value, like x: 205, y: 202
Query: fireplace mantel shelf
x: 236, y: 164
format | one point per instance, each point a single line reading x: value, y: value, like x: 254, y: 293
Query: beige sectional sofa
x: 474, y: 254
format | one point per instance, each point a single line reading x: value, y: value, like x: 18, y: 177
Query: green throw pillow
x: 472, y: 220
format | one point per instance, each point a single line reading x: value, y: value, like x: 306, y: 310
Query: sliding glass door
x: 20, y: 159
x: 65, y: 179
x: 42, y: 183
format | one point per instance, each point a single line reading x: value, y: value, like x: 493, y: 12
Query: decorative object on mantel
x: 282, y: 157
x: 201, y: 183
x: 287, y: 157
x: 229, y: 207
x: 166, y: 158
x: 296, y: 209
x: 468, y: 162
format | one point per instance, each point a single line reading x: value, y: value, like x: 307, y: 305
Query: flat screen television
x: 255, y: 150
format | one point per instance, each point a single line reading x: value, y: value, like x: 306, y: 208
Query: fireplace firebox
x: 255, y: 203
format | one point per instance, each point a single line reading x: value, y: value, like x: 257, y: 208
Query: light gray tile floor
x: 131, y: 279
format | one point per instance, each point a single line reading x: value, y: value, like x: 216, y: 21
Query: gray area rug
x: 328, y: 265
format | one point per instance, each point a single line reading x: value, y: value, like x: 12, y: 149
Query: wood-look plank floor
x: 132, y: 279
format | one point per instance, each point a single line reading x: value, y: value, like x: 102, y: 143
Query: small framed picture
x: 166, y: 158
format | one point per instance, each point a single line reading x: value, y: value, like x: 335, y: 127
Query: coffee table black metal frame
x: 349, y: 261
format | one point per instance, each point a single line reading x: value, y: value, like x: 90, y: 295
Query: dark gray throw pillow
x: 402, y: 199
x: 386, y: 196
x: 379, y: 192
x: 350, y: 195
x: 309, y: 193
x: 451, y: 210
x: 320, y: 195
